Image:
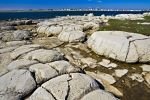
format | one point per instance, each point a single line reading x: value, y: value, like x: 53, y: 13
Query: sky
x: 48, y: 4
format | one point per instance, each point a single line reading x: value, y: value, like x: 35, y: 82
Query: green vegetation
x: 128, y: 26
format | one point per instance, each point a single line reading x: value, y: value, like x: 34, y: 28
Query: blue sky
x: 45, y: 4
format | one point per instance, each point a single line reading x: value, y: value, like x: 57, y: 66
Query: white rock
x: 147, y: 78
x: 21, y: 35
x: 20, y: 64
x: 72, y: 27
x: 76, y: 83
x: 23, y: 49
x: 109, y: 78
x: 43, y: 72
x: 63, y: 67
x: 16, y: 43
x: 7, y: 49
x: 53, y: 30
x: 105, y: 63
x: 91, y: 26
x: 16, y: 84
x: 145, y: 68
x: 41, y: 94
x: 137, y: 77
x: 89, y: 61
x: 72, y: 36
x: 122, y: 46
x: 120, y: 72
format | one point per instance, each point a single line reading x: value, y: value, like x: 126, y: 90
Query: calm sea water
x: 53, y: 14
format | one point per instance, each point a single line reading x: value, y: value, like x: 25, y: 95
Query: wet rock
x: 23, y: 50
x: 16, y: 84
x: 145, y: 68
x: 122, y: 46
x: 99, y: 95
x: 121, y: 72
x: 44, y: 56
x: 43, y: 72
x: 20, y: 64
x: 21, y: 35
x: 137, y: 77
x: 72, y: 36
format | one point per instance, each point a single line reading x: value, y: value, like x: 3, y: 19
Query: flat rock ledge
x: 122, y: 46
x: 36, y: 73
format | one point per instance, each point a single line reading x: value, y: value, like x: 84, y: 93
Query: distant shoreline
x: 73, y: 10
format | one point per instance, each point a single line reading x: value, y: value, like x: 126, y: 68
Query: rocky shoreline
x: 69, y: 58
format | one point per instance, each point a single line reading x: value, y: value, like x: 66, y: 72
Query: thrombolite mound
x: 36, y: 73
x: 72, y: 36
x: 122, y: 46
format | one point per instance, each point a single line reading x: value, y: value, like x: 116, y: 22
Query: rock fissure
x: 49, y: 92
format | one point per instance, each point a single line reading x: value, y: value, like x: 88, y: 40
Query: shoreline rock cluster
x: 70, y: 59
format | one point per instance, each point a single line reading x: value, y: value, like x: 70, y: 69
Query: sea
x: 53, y: 14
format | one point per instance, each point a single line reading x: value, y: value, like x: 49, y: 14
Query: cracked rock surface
x: 37, y: 73
x: 122, y: 46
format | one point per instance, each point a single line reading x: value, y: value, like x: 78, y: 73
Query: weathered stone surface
x: 107, y: 86
x: 137, y: 77
x: 21, y: 35
x: 48, y: 42
x: 41, y: 94
x: 145, y: 68
x: 122, y: 46
x: 43, y: 72
x: 20, y: 64
x: 91, y: 26
x: 107, y: 77
x: 16, y: 43
x: 120, y: 72
x: 71, y: 87
x: 7, y: 49
x: 98, y: 95
x: 72, y: 36
x: 72, y: 27
x: 92, y: 63
x: 16, y: 84
x: 63, y: 67
x: 44, y: 56
x: 7, y: 28
x: 24, y: 49
x: 4, y: 63
x: 50, y: 30
x: 53, y: 30
x: 147, y: 78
